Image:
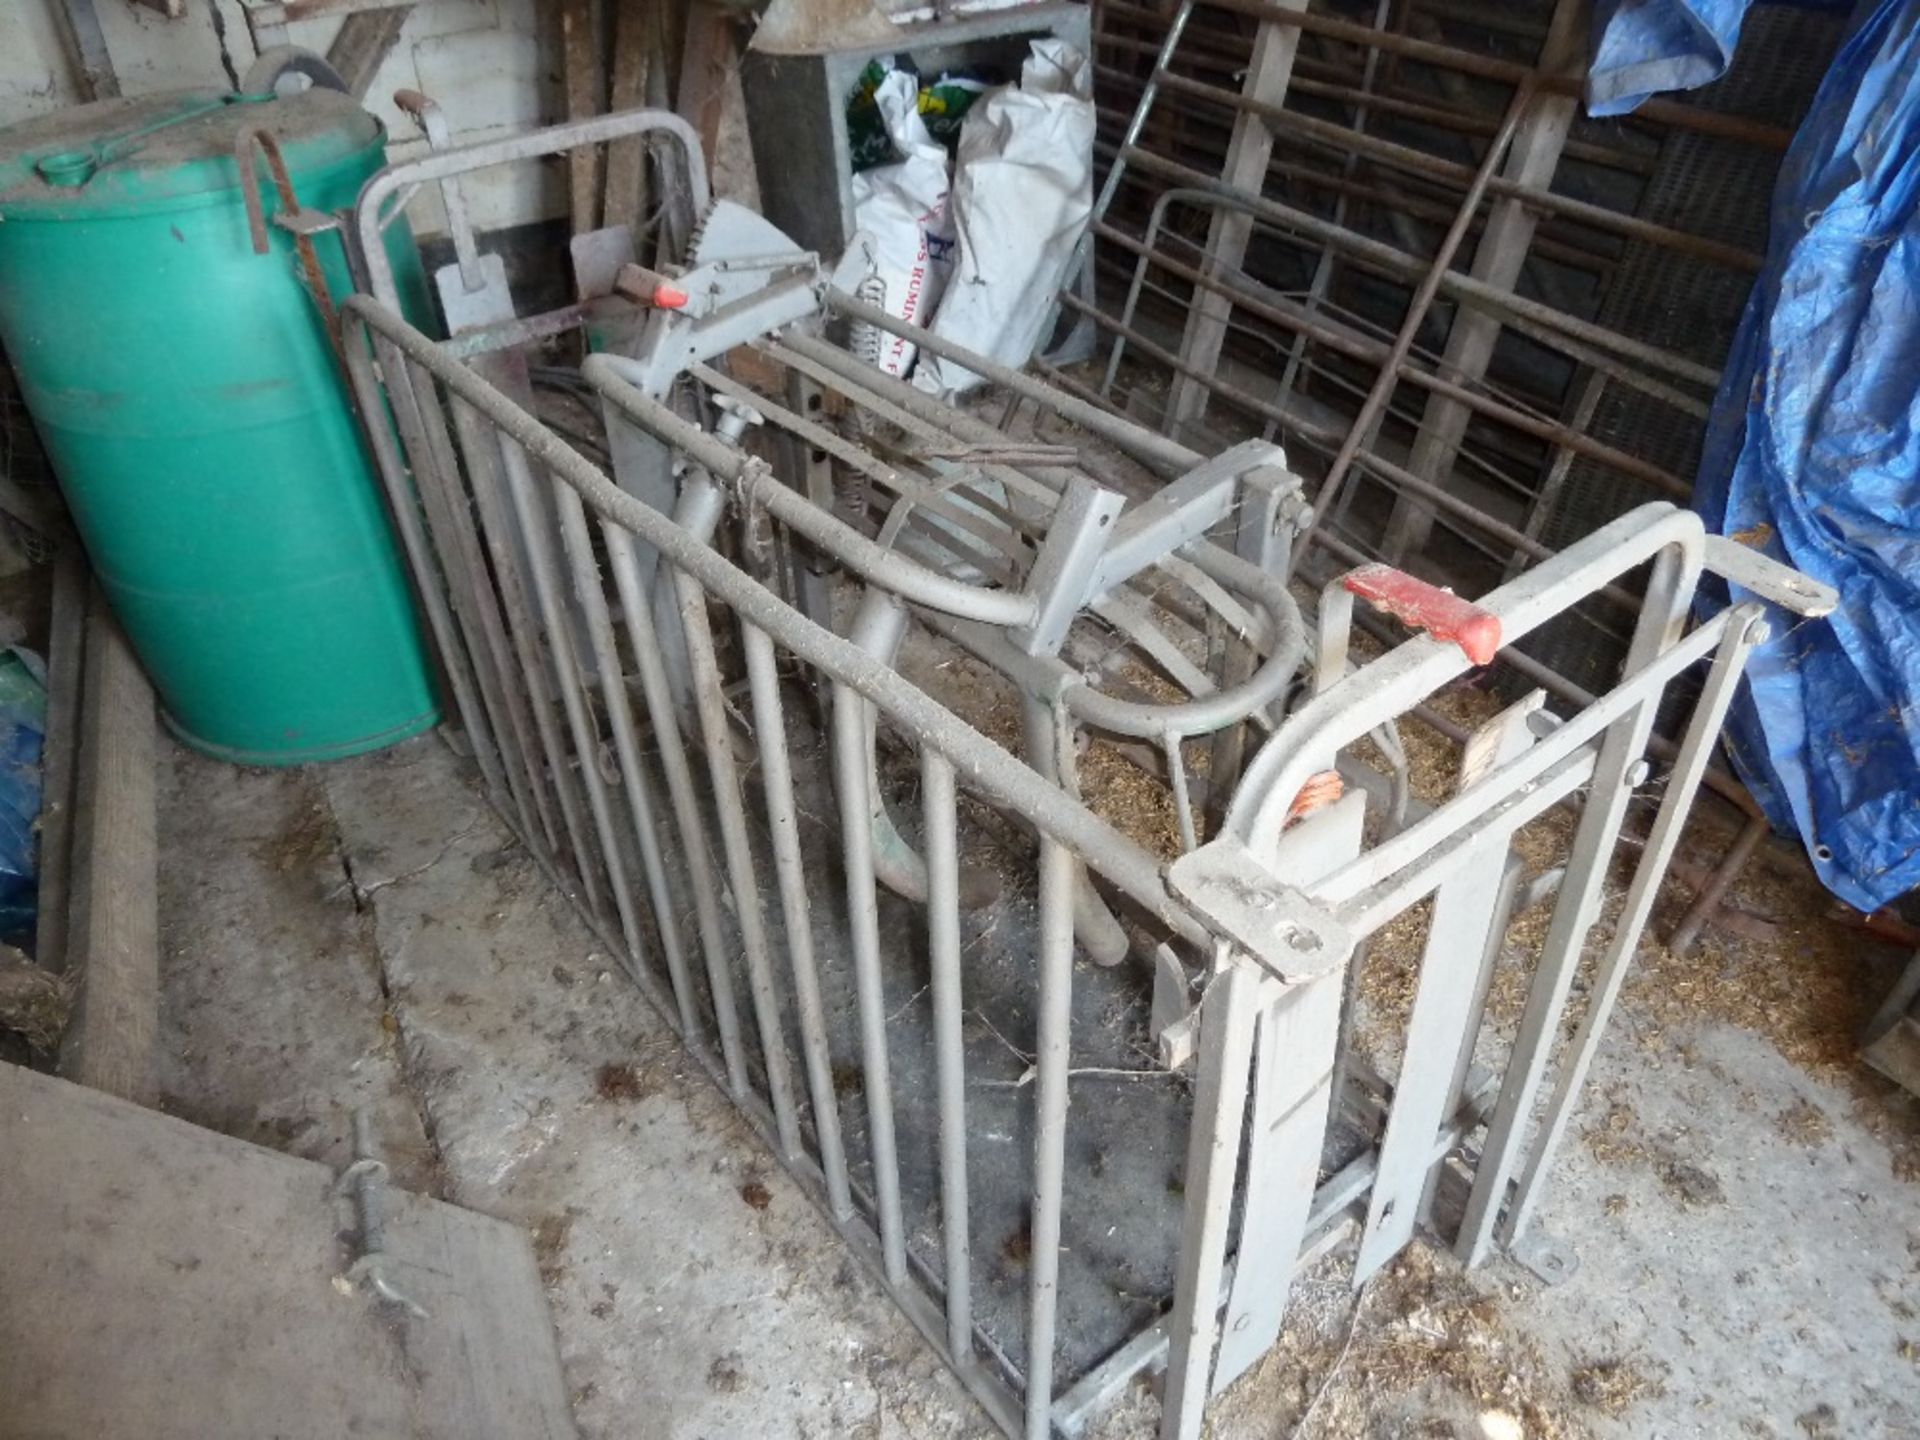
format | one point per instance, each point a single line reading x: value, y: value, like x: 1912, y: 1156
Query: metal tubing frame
x: 1366, y: 891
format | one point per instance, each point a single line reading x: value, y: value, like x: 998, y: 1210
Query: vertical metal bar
x: 1742, y: 634
x: 724, y: 776
x: 523, y: 490
x: 429, y: 579
x: 1182, y: 799
x: 480, y: 449
x: 783, y: 823
x: 588, y: 589
x: 1228, y: 1010
x: 863, y: 917
x: 436, y: 476
x: 658, y: 694
x: 1058, y: 875
x: 521, y: 629
x: 1669, y: 591
x: 941, y: 815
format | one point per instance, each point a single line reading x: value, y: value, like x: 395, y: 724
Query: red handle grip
x: 1441, y: 613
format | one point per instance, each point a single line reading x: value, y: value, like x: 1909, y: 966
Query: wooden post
x: 66, y: 645
x: 362, y: 44
x: 1248, y: 150
x: 1497, y: 260
x: 636, y: 35
x: 586, y: 97
x: 114, y: 947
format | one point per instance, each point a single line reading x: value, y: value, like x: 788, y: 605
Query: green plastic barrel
x: 194, y: 412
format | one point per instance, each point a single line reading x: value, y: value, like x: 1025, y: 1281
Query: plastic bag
x: 904, y: 208
x: 23, y: 723
x: 1022, y: 195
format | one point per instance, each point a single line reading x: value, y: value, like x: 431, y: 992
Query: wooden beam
x: 708, y: 59
x: 114, y: 943
x: 59, y: 754
x: 1497, y: 260
x: 1268, y: 74
x: 86, y: 49
x: 362, y: 44
x: 586, y: 96
x: 636, y: 39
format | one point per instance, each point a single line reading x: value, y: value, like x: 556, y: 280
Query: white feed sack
x: 1022, y: 195
x: 904, y: 207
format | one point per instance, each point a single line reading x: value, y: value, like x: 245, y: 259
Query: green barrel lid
x: 134, y: 154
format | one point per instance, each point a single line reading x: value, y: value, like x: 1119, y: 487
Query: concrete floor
x: 368, y: 935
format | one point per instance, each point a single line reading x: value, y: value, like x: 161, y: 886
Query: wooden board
x: 586, y: 97
x: 113, y: 935
x: 636, y: 38
x: 166, y: 1282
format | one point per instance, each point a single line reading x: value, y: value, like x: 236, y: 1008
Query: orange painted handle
x: 1441, y: 613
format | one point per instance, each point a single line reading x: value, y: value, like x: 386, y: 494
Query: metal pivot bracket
x: 747, y: 280
x: 1278, y: 927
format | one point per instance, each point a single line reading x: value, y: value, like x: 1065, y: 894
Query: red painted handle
x: 647, y: 287
x: 1441, y: 613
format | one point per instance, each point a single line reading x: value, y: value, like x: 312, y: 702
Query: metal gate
x: 870, y: 922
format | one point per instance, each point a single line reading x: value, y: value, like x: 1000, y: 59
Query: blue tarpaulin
x: 1813, y: 454
x: 1642, y: 47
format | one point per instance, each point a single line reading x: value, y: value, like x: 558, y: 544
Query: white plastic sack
x: 1022, y: 195
x: 904, y: 207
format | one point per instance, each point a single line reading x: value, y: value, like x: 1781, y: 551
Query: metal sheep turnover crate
x: 1083, y: 1102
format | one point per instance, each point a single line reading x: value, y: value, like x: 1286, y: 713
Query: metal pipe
x: 851, y: 785
x: 1429, y: 166
x: 757, y: 486
x: 1347, y: 341
x: 986, y: 766
x: 428, y: 582
x: 1389, y: 100
x: 942, y: 820
x: 657, y: 690
x: 724, y: 785
x: 1488, y: 67
x: 572, y: 685
x: 1745, y: 628
x: 1053, y: 1031
x: 587, y: 588
x: 490, y: 505
x: 1686, y: 934
x: 1361, y: 432
x: 1410, y: 673
x: 437, y: 165
x: 1461, y: 288
x: 783, y: 824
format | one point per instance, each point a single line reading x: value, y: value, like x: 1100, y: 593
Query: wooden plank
x: 200, y: 1292
x: 362, y: 44
x: 586, y: 96
x: 636, y: 38
x: 709, y: 56
x: 66, y: 641
x: 81, y: 38
x: 1498, y: 258
x: 1248, y: 149
x: 114, y: 937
